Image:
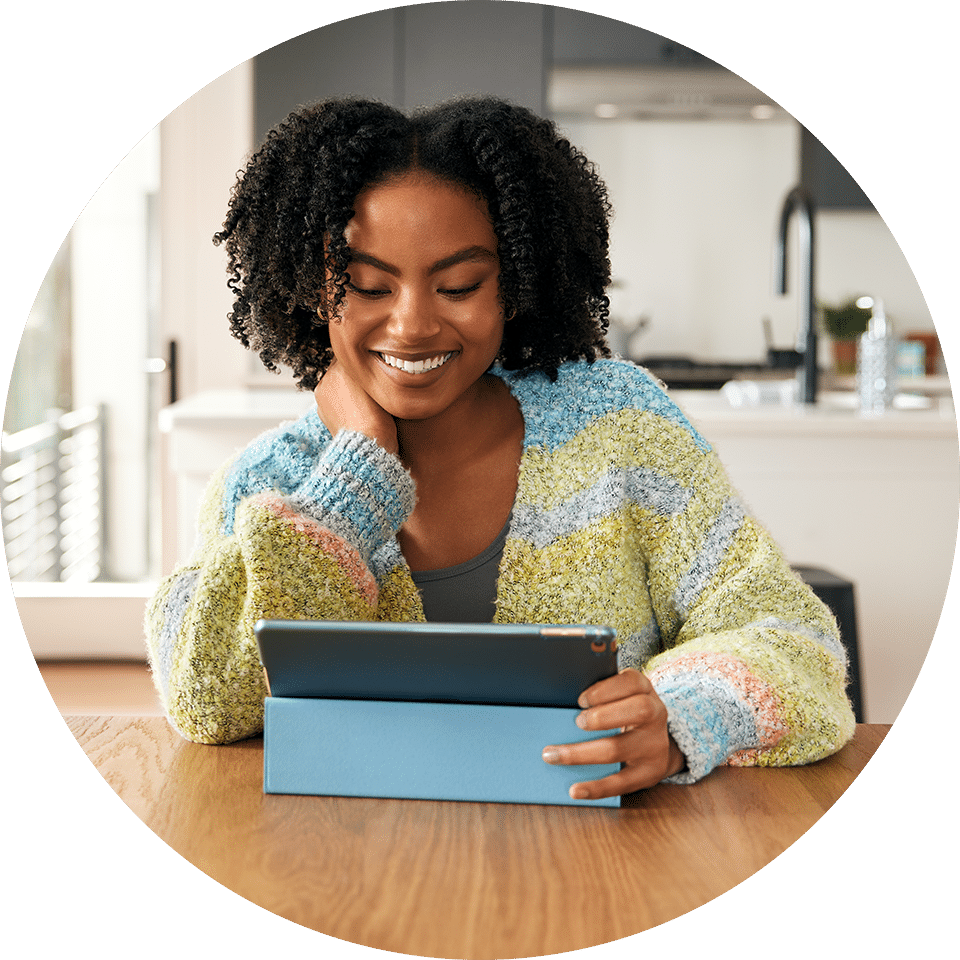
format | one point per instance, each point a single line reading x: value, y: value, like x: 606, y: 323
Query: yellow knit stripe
x: 585, y: 577
x: 210, y: 517
x: 622, y: 439
x: 399, y: 598
x: 745, y: 571
x: 324, y: 589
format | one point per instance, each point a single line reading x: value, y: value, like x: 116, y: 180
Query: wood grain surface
x: 470, y: 880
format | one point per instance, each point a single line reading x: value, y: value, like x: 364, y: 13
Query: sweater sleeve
x: 301, y: 555
x: 753, y: 671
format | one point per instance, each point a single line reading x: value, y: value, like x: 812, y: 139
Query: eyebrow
x: 469, y: 254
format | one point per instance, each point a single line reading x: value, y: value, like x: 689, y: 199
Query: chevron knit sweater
x: 623, y: 516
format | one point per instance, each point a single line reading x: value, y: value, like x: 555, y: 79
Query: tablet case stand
x: 430, y: 751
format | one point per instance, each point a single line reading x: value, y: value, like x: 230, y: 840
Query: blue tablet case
x: 430, y: 751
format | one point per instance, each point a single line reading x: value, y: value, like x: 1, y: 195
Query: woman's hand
x: 343, y: 405
x: 645, y: 747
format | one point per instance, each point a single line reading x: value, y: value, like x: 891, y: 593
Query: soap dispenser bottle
x: 877, y: 363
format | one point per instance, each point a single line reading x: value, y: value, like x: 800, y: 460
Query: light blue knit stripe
x: 271, y: 462
x: 636, y: 649
x: 175, y: 608
x: 357, y: 481
x: 585, y: 391
x: 650, y: 490
x: 707, y: 719
x: 826, y: 640
x: 711, y: 555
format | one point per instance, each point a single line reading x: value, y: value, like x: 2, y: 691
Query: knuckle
x: 607, y: 749
x: 649, y: 710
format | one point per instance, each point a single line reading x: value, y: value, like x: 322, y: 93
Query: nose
x: 414, y: 317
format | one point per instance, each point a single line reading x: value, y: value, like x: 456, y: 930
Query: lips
x: 416, y: 366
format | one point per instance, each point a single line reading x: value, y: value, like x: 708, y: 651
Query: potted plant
x: 844, y: 324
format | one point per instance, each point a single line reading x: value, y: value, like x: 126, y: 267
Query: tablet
x: 487, y: 663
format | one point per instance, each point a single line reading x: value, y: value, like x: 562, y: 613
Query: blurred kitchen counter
x: 873, y: 499
x: 835, y: 413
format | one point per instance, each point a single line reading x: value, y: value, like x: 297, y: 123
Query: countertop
x: 835, y: 413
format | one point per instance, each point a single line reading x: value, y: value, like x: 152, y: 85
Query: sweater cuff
x: 358, y: 491
x: 707, y: 725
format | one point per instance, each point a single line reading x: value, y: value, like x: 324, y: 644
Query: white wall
x: 697, y: 206
x: 695, y: 209
x: 109, y: 292
x: 204, y: 143
x: 858, y: 254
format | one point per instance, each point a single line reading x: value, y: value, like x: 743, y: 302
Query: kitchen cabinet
x: 425, y: 53
x: 826, y: 179
x: 578, y: 38
x: 408, y: 56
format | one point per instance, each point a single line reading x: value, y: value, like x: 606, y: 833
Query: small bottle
x: 877, y: 363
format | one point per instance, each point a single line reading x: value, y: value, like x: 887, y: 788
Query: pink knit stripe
x: 346, y: 556
x: 756, y: 694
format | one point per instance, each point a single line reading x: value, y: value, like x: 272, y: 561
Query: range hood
x: 656, y: 92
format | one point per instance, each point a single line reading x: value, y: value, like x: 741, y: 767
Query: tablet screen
x: 516, y: 664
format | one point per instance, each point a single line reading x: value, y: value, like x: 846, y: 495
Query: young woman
x: 438, y: 282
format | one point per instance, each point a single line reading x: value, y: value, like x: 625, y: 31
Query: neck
x: 457, y: 433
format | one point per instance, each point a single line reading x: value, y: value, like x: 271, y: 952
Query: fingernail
x: 578, y: 793
x: 581, y: 721
x: 551, y: 755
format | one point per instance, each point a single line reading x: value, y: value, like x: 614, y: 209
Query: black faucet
x: 799, y: 201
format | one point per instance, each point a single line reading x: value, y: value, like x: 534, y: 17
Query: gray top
x: 466, y: 593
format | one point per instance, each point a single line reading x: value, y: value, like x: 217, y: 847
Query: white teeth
x: 416, y: 366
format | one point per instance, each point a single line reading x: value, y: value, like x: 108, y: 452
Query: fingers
x: 631, y: 710
x: 644, y: 747
x: 626, y: 683
x: 626, y: 747
x: 642, y: 766
x: 627, y: 780
x: 344, y: 404
x: 644, y: 763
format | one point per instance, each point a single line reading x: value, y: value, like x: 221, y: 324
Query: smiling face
x: 421, y: 320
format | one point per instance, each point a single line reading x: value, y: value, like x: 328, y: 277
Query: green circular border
x: 88, y: 80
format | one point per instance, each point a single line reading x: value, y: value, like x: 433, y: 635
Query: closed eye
x: 366, y: 292
x: 459, y: 291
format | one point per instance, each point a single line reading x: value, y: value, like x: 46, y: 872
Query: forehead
x: 422, y: 209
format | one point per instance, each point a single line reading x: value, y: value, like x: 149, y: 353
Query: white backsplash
x: 696, y: 207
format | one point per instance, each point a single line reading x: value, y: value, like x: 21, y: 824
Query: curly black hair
x: 289, y: 208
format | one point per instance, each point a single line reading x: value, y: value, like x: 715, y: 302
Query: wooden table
x: 470, y: 880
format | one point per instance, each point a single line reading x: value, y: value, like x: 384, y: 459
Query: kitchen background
x: 697, y: 161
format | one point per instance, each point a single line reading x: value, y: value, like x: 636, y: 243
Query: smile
x: 415, y: 366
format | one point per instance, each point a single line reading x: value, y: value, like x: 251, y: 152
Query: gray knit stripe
x: 366, y: 488
x: 708, y: 560
x: 826, y: 640
x: 175, y: 608
x: 387, y: 558
x: 647, y: 488
x: 636, y: 649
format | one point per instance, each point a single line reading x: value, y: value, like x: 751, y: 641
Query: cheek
x: 340, y: 343
x: 348, y: 329
x: 484, y: 323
